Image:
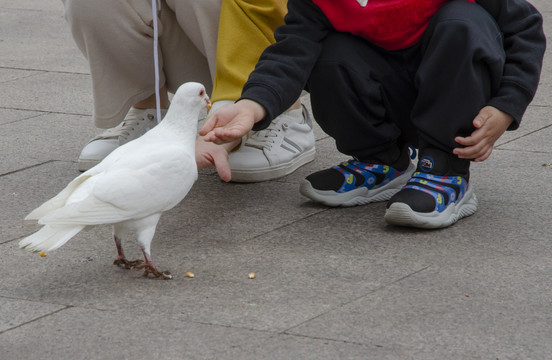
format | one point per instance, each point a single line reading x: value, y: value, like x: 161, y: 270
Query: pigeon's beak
x: 208, y: 102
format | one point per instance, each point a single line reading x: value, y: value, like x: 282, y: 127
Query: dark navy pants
x: 371, y: 100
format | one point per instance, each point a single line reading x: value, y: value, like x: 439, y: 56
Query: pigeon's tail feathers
x: 50, y: 237
x: 57, y: 201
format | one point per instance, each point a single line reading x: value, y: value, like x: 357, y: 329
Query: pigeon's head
x: 192, y: 93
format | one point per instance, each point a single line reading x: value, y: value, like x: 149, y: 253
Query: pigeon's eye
x: 202, y: 92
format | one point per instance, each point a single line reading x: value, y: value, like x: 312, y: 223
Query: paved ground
x: 331, y: 283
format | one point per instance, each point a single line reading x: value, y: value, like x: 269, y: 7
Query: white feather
x: 50, y: 237
x: 133, y: 185
x: 57, y: 201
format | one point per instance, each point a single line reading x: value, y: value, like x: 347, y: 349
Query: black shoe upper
x: 435, y: 162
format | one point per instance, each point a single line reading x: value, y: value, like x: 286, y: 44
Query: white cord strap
x: 155, y: 4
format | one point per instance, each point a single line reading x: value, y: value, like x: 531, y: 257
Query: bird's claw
x: 124, y: 263
x: 136, y: 264
x: 165, y: 275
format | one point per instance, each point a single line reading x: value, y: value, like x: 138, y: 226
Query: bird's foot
x: 124, y: 263
x: 136, y: 264
x: 149, y: 269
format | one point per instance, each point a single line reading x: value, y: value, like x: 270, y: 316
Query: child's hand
x: 209, y: 154
x: 231, y: 122
x: 490, y: 124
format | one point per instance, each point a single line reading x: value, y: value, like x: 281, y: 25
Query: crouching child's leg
x: 460, y: 69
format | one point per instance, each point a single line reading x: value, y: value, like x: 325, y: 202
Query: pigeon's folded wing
x: 57, y: 201
x: 119, y: 155
x: 124, y: 194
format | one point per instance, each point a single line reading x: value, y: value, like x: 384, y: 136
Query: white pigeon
x: 131, y: 187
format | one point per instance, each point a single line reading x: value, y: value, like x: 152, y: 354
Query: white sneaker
x: 136, y: 123
x: 285, y: 145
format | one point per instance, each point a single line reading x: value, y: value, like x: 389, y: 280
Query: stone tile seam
x: 275, y: 333
x: 348, y: 342
x: 42, y: 71
x: 524, y: 151
x: 17, y: 238
x: 40, y: 113
x: 19, y: 78
x: 524, y: 135
x: 280, y: 333
x: 21, y: 9
x: 377, y: 289
x: 283, y: 226
x: 37, y: 318
x: 27, y: 168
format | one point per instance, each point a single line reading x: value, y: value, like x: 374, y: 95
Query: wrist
x: 233, y: 146
x: 256, y: 109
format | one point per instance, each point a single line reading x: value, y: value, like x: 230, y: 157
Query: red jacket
x: 390, y: 24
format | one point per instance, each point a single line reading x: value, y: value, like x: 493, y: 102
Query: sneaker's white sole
x: 87, y: 164
x: 401, y: 214
x: 359, y: 196
x: 274, y: 172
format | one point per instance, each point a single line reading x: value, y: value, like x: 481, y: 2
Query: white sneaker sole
x: 401, y: 214
x: 87, y: 164
x: 274, y: 172
x: 359, y: 196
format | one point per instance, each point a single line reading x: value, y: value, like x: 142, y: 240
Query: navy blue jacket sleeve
x: 524, y: 45
x: 284, y: 67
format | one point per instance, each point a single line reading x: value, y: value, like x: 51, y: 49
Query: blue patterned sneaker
x: 437, y: 195
x: 354, y: 183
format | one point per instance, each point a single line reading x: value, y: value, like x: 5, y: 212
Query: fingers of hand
x: 474, y: 138
x: 223, y: 167
x: 471, y: 147
x: 485, y: 155
x: 480, y: 119
x: 475, y: 146
x: 209, y: 125
x: 221, y: 136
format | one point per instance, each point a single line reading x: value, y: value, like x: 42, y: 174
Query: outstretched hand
x: 489, y: 124
x: 231, y: 122
x: 209, y: 154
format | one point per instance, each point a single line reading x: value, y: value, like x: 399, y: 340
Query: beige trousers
x: 116, y: 37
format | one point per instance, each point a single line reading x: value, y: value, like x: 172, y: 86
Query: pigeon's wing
x: 57, y: 201
x: 133, y: 193
x: 129, y: 150
x: 124, y: 154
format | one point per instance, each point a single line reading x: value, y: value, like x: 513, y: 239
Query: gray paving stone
x: 43, y: 137
x: 330, y: 283
x: 534, y: 142
x: 10, y: 116
x: 483, y: 308
x: 47, y: 46
x: 48, y: 91
x: 289, y: 288
x: 536, y: 118
x: 22, y: 191
x: 136, y: 336
x: 15, y: 312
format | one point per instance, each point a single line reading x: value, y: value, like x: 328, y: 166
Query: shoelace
x: 263, y: 139
x: 125, y: 128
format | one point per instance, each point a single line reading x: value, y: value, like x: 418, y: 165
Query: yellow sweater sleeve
x: 246, y: 28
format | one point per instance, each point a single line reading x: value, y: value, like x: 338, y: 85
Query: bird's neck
x: 183, y: 129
